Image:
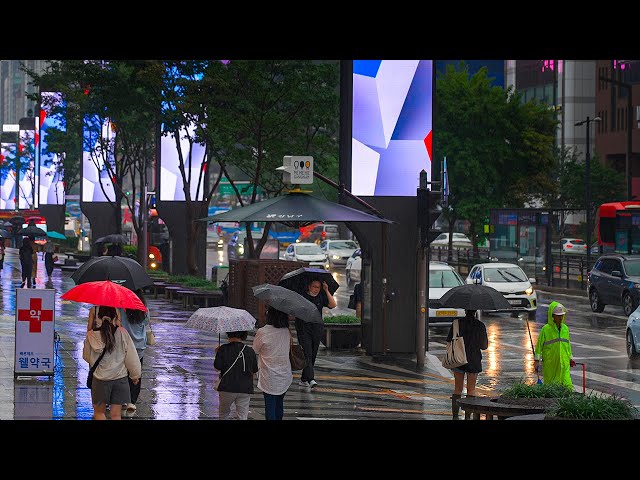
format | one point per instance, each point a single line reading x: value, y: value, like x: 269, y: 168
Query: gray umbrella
x: 4, y: 233
x: 32, y: 231
x: 288, y: 301
x: 295, y: 209
x: 471, y: 296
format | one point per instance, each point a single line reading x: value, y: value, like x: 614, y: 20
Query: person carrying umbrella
x: 25, y: 254
x: 554, y: 348
x: 310, y: 333
x: 118, y: 360
x: 475, y: 337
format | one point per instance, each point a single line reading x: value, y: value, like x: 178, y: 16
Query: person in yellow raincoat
x: 554, y: 348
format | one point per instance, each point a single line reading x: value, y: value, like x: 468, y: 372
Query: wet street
x: 178, y: 374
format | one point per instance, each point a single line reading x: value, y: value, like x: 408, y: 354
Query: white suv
x: 442, y: 278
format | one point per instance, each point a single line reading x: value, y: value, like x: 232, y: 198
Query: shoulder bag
x: 455, y: 355
x: 296, y: 355
x: 227, y: 371
x: 93, y: 369
x: 151, y: 338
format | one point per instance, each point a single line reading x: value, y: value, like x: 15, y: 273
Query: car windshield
x: 309, y: 250
x: 444, y: 279
x: 632, y: 267
x: 346, y: 245
x: 513, y: 274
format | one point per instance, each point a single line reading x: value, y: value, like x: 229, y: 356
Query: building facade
x: 14, y: 85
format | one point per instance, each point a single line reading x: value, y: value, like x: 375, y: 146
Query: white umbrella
x: 221, y: 320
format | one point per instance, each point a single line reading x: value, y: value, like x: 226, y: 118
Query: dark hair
x: 277, y: 318
x: 242, y: 335
x: 137, y: 316
x: 107, y: 329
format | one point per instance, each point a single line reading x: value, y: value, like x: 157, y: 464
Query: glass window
x: 632, y: 267
x: 505, y: 275
x: 444, y: 279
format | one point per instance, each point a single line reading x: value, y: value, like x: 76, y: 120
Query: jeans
x: 273, y: 406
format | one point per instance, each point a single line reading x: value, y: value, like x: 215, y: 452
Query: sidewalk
x: 178, y: 376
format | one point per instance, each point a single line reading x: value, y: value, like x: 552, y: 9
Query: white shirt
x: 274, y: 368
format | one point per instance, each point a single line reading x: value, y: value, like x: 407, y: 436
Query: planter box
x: 342, y: 335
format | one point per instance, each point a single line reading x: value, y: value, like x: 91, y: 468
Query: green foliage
x: 593, y: 407
x: 192, y: 281
x: 341, y: 319
x: 534, y: 390
x: 498, y: 149
x: 130, y: 250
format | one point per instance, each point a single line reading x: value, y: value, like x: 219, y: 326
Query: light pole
x: 587, y: 190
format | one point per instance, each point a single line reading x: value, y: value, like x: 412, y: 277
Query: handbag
x: 234, y: 362
x: 93, y: 369
x: 456, y: 354
x: 296, y: 356
x: 151, y: 338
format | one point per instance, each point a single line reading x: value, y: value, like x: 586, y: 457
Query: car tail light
x: 324, y: 235
x: 569, y: 245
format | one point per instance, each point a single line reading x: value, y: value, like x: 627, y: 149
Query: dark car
x: 615, y: 280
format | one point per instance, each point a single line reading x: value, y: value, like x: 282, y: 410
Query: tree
x: 498, y: 149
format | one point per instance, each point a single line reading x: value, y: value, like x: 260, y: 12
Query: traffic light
x: 428, y: 212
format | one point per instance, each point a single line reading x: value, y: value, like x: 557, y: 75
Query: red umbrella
x: 105, y: 292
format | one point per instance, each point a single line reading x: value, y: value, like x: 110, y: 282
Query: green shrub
x: 130, y: 250
x: 533, y: 390
x: 593, y: 407
x: 341, y: 319
x: 193, y: 282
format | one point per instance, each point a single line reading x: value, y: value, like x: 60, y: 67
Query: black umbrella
x: 113, y: 238
x: 288, y: 301
x: 33, y: 231
x: 122, y: 270
x: 471, y: 296
x: 295, y: 209
x: 299, y: 279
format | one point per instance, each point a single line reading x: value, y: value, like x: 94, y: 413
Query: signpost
x: 297, y: 170
x: 35, y: 315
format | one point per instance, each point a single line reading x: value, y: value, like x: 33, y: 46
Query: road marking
x: 609, y: 380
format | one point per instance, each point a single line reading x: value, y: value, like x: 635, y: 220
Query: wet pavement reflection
x: 178, y: 377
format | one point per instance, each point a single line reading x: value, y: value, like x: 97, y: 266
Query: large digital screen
x: 171, y: 184
x: 391, y: 126
x: 51, y: 188
x: 28, y: 176
x: 7, y: 176
x: 98, y: 161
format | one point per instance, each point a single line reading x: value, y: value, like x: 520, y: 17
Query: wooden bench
x: 215, y: 296
x: 492, y: 407
x: 158, y: 286
x: 169, y: 291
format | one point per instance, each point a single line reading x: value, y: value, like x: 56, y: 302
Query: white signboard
x: 35, y: 315
x: 297, y: 170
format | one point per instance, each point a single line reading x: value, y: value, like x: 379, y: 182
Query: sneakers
x: 130, y: 407
x: 312, y: 383
x: 304, y: 384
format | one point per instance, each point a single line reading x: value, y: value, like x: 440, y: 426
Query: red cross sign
x: 35, y: 315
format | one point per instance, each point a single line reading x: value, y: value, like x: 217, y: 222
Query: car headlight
x: 335, y: 257
x: 529, y: 291
x: 240, y: 249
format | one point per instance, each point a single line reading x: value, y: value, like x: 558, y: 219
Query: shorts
x: 113, y: 392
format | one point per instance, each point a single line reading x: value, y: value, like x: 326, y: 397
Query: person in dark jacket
x: 26, y: 262
x: 475, y: 337
x: 237, y: 363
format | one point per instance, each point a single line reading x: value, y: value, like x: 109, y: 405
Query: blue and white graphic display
x: 98, y: 161
x: 51, y: 175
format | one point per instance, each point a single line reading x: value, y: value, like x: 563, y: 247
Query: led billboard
x: 171, y: 184
x: 98, y: 161
x: 7, y: 176
x: 51, y: 190
x: 391, y: 126
x: 28, y: 176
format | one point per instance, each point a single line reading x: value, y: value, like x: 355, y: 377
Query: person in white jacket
x: 110, y: 384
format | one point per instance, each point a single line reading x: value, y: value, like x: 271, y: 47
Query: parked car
x: 632, y: 334
x: 237, y: 248
x: 615, y: 280
x: 511, y: 281
x: 307, y: 252
x: 338, y: 251
x: 320, y: 232
x: 573, y: 245
x: 442, y: 278
x: 353, y: 267
x: 460, y: 240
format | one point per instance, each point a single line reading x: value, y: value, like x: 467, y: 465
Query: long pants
x: 309, y: 335
x: 226, y: 399
x: 48, y: 262
x: 273, y: 406
x: 26, y: 273
x: 135, y: 389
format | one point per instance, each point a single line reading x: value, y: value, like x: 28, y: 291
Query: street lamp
x: 587, y: 190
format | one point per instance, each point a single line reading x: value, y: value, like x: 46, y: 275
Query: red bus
x: 618, y: 227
